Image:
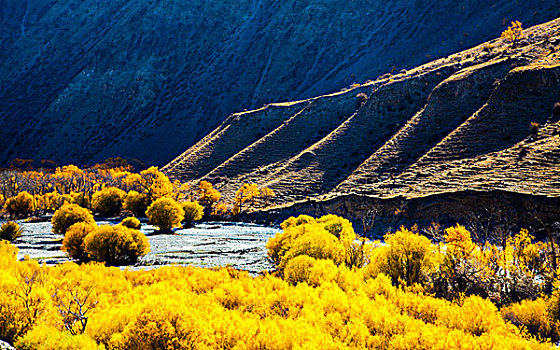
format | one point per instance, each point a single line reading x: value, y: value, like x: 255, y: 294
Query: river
x: 240, y: 245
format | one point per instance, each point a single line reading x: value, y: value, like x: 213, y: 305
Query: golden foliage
x: 513, y: 33
x: 165, y: 213
x: 73, y: 242
x: 154, y: 183
x: 131, y: 222
x: 409, y: 257
x: 245, y: 194
x: 21, y: 205
x: 322, y: 307
x: 108, y: 201
x: 10, y: 231
x: 136, y: 203
x: 207, y: 195
x: 534, y: 317
x: 193, y: 211
x: 116, y: 245
x: 51, y: 338
x: 221, y: 210
x: 68, y: 215
x: 332, y: 290
x: 329, y: 237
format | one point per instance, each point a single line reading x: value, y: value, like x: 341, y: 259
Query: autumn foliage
x: 73, y: 242
x: 108, y: 201
x: 116, y: 245
x: 112, y: 191
x: 131, y: 222
x: 316, y: 304
x: 165, y: 213
x: 330, y: 289
x: 193, y: 212
x: 136, y: 203
x: 21, y: 205
x: 10, y: 231
x: 513, y: 33
x: 68, y: 215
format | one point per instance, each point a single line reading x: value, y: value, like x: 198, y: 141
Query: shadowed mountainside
x: 84, y: 80
x: 480, y: 121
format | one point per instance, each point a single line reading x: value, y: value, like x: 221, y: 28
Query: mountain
x: 84, y: 80
x: 473, y: 132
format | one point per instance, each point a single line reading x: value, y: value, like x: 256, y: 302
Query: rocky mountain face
x: 475, y: 133
x: 83, y: 80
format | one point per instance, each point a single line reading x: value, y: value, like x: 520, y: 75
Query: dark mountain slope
x: 82, y: 80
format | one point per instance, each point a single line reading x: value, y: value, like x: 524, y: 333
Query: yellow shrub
x: 165, y: 213
x: 131, y: 222
x: 534, y: 316
x: 300, y: 220
x: 73, y: 242
x: 80, y: 199
x: 193, y: 211
x: 298, y: 269
x: 9, y: 231
x: 50, y: 338
x: 108, y: 201
x: 409, y: 257
x: 164, y: 324
x: 116, y: 245
x: 514, y: 32
x: 329, y: 237
x: 136, y: 203
x: 21, y: 205
x: 68, y: 215
x: 317, y: 243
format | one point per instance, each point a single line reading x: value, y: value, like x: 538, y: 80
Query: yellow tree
x: 193, y: 212
x: 267, y: 193
x: 247, y: 193
x: 109, y: 201
x: 165, y: 213
x: 155, y: 183
x: 208, y: 196
x: 514, y: 33
x: 136, y: 203
x: 21, y: 205
x: 69, y: 178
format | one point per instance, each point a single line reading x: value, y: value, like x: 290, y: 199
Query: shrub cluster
x: 73, y: 242
x: 165, y: 213
x: 114, y: 245
x: 108, y: 201
x: 68, y: 215
x: 109, y: 189
x: 193, y: 212
x: 21, y: 205
x: 136, y: 203
x: 10, y: 231
x: 131, y: 222
x: 319, y: 305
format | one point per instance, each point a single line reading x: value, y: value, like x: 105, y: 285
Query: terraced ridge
x: 455, y: 125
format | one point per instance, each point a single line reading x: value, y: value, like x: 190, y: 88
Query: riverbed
x: 240, y: 245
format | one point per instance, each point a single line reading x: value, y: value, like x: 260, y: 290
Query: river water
x: 240, y: 245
